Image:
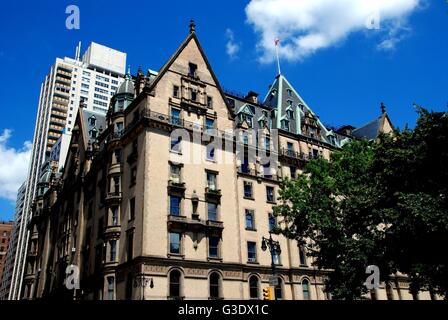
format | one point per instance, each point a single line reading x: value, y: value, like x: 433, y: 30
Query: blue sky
x: 343, y: 78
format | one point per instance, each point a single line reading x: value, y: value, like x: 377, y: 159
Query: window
x: 113, y: 250
x: 175, y: 117
x: 302, y: 255
x: 210, y: 152
x: 176, y: 91
x: 130, y: 246
x: 211, y: 181
x: 118, y: 156
x: 290, y: 114
x: 267, y: 143
x: 175, y: 242
x: 289, y: 91
x: 249, y: 121
x: 276, y: 258
x: 306, y: 289
x: 251, y: 251
x: 175, y: 173
x: 250, y: 225
x: 254, y: 287
x: 176, y: 143
x: 272, y: 222
x: 267, y: 170
x: 293, y: 171
x: 214, y: 285
x: 132, y: 209
x: 116, y: 184
x: 110, y: 288
x: 213, y: 247
x: 285, y: 125
x: 231, y: 102
x: 114, y: 217
x: 133, y: 176
x: 248, y: 190
x: 209, y: 123
x: 194, y: 95
x: 175, y: 205
x: 192, y: 68
x: 279, y: 289
x: 212, y: 211
x: 245, y: 165
x: 270, y: 194
x: 290, y: 146
x: 175, y: 277
x: 209, y: 102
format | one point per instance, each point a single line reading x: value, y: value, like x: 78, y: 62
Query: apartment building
x: 172, y: 199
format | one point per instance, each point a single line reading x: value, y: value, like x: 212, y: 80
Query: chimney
x: 252, y: 97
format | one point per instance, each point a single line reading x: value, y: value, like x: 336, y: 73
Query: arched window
x: 306, y: 289
x: 175, y: 278
x: 279, y: 289
x: 254, y: 287
x: 214, y: 285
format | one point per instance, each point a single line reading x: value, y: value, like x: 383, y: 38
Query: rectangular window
x: 270, y: 194
x: 176, y: 143
x: 192, y: 68
x: 250, y: 225
x: 267, y: 143
x: 114, y: 217
x: 267, y: 170
x: 175, y: 205
x: 248, y: 190
x: 176, y: 91
x: 210, y: 152
x: 110, y: 288
x: 293, y: 172
x: 251, y: 251
x: 209, y: 102
x: 130, y: 247
x: 302, y: 255
x: 132, y: 209
x: 209, y: 123
x: 211, y: 181
x: 213, y: 247
x: 175, y: 173
x: 175, y: 117
x: 113, y: 250
x: 133, y: 176
x: 212, y: 211
x: 194, y: 95
x: 175, y: 242
x: 272, y: 222
x: 290, y: 146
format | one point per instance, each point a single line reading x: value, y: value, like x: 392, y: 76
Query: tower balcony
x: 184, y: 223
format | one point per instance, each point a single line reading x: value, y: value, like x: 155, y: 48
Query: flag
x: 276, y: 41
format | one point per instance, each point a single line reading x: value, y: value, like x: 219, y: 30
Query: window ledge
x: 249, y: 198
x: 214, y: 259
x: 176, y: 256
x: 253, y: 262
x: 251, y: 229
x: 271, y: 202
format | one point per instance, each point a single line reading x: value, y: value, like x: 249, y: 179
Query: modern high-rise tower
x: 88, y: 81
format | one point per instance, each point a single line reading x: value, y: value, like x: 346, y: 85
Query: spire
x: 277, y: 41
x: 128, y: 73
x: 192, y: 26
x: 383, y: 108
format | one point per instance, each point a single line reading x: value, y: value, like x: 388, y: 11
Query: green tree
x: 382, y: 203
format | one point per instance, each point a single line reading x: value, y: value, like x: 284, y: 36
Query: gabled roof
x: 191, y: 37
x: 372, y: 129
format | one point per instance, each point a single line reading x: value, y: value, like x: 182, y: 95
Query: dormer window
x: 92, y: 121
x: 290, y: 114
x: 93, y: 133
x: 289, y: 92
x: 249, y: 121
x: 176, y: 91
x: 192, y: 69
x: 285, y: 125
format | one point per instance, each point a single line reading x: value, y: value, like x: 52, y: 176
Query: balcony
x: 195, y: 225
x: 176, y: 186
x: 212, y: 193
x: 114, y: 196
x: 112, y: 231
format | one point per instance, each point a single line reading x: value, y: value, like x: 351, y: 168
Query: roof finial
x: 383, y: 108
x: 277, y: 41
x: 192, y: 26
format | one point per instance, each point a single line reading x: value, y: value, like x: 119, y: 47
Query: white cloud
x: 232, y: 47
x: 13, y: 166
x: 306, y: 26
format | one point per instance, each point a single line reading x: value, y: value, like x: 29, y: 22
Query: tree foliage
x: 376, y: 203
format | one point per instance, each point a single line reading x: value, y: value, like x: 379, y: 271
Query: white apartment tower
x: 89, y: 81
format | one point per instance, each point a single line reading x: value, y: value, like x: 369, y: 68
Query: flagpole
x: 278, y: 59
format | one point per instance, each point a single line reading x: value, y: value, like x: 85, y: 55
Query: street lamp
x: 274, y: 249
x: 142, y: 281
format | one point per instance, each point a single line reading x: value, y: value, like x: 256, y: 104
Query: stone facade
x: 141, y: 219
